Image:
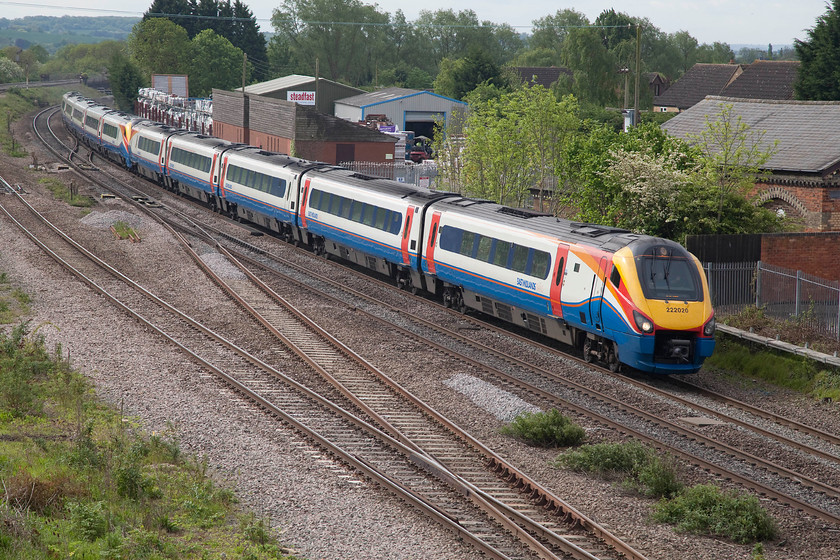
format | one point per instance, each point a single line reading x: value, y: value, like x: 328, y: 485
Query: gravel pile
x: 501, y: 404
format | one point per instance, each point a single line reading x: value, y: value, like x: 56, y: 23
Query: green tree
x: 9, y: 71
x: 233, y: 21
x: 593, y: 66
x: 215, y: 63
x: 178, y: 11
x: 40, y: 53
x: 513, y: 142
x: 734, y: 154
x: 818, y: 78
x: 83, y: 58
x: 615, y: 28
x: 716, y: 53
x: 550, y: 32
x: 458, y: 78
x: 687, y: 46
x: 126, y: 80
x: 318, y: 31
x: 159, y: 46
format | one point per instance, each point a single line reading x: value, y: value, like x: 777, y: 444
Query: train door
x: 409, y: 221
x: 430, y: 246
x: 557, y: 279
x: 597, y: 297
x: 304, y: 194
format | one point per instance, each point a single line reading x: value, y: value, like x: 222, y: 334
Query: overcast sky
x: 737, y: 22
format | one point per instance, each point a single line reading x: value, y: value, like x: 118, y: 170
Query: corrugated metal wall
x: 272, y: 116
x: 725, y: 248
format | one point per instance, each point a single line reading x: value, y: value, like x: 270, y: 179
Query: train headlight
x: 645, y: 325
x: 709, y: 328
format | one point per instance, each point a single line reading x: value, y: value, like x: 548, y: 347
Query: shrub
x: 706, y: 509
x: 255, y: 530
x: 88, y: 520
x: 638, y: 466
x: 545, y: 429
x: 25, y: 492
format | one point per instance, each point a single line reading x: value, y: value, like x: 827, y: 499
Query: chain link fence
x: 782, y: 293
x: 421, y: 174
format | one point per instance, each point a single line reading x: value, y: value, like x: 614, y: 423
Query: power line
x: 262, y: 20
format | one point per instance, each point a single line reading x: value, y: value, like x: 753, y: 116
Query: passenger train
x: 620, y: 297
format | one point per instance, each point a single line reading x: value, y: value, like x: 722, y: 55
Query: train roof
x: 155, y: 126
x: 381, y: 185
x: 193, y: 139
x: 606, y: 238
x: 271, y: 158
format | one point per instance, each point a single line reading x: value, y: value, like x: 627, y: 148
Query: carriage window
x: 484, y: 245
x: 500, y: 255
x: 383, y: 218
x: 520, y: 258
x: 540, y: 264
x: 356, y: 214
x: 560, y: 271
x: 615, y: 277
x: 467, y: 242
x: 368, y: 214
x: 316, y: 200
x: 109, y: 130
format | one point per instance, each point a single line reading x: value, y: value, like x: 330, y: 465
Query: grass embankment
x: 736, y: 358
x: 702, y: 509
x: 17, y: 102
x: 14, y: 302
x: 78, y: 480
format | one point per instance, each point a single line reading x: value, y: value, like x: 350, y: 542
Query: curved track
x: 785, y: 485
x: 511, y: 517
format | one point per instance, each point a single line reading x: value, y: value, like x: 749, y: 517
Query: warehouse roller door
x: 423, y: 122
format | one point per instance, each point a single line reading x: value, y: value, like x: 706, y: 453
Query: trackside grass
x: 703, y: 509
x: 736, y: 358
x: 638, y: 467
x: 77, y: 480
x: 706, y: 509
x: 545, y: 429
x: 17, y: 102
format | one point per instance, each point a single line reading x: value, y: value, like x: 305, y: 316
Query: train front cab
x: 669, y: 326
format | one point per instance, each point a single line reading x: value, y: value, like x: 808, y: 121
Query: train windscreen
x: 668, y: 273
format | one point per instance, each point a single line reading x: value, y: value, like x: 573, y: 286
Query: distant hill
x: 53, y: 33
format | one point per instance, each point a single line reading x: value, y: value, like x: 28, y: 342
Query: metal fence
x: 782, y: 293
x: 420, y: 174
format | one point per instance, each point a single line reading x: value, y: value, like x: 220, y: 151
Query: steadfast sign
x: 301, y: 97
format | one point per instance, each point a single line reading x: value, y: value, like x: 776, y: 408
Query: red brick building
x: 286, y: 127
x: 802, y: 174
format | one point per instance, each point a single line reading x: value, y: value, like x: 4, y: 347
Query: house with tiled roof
x: 541, y: 75
x: 764, y: 79
x: 701, y: 80
x: 803, y: 174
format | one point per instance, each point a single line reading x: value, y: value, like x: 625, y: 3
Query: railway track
x: 749, y: 470
x: 822, y: 511
x: 413, y: 475
x: 515, y: 515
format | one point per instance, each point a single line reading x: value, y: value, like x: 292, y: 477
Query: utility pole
x: 638, y: 71
x: 244, y: 65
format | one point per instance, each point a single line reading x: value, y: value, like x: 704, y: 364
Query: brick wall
x: 814, y: 253
x: 816, y: 204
